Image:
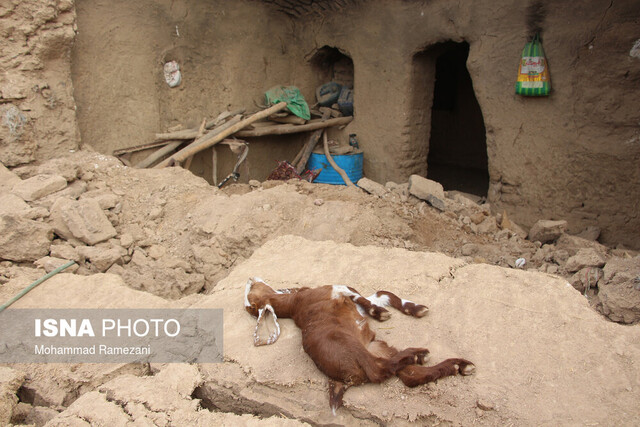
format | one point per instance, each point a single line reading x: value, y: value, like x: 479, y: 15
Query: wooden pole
x: 301, y: 159
x: 142, y: 147
x: 288, y: 129
x: 214, y: 132
x: 207, y: 140
x: 158, y: 154
x: 338, y: 169
x: 193, y: 133
x: 187, y: 165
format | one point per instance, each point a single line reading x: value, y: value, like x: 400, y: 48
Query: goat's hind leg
x: 408, y: 357
x: 415, y: 375
x: 336, y: 391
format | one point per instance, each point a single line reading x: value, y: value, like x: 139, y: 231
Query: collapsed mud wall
x: 573, y: 155
x: 37, y: 109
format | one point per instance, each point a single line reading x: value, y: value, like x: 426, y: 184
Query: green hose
x: 34, y: 284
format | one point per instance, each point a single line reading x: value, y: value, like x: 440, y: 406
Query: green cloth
x: 533, y: 73
x: 292, y: 96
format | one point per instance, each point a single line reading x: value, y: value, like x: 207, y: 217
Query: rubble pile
x: 169, y: 239
x: 169, y: 233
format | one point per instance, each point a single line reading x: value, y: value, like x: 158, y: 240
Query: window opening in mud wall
x: 330, y: 64
x: 457, y: 147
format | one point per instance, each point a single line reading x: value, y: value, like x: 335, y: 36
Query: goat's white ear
x: 267, y: 327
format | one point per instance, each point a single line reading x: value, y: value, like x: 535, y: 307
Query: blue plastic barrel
x: 350, y: 163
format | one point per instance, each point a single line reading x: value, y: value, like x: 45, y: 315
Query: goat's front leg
x: 374, y: 305
x: 415, y: 375
x: 410, y: 308
x: 364, y: 305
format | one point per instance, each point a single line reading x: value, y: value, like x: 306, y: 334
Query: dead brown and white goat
x: 337, y: 337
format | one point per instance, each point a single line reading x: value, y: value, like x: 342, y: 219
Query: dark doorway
x: 457, y: 148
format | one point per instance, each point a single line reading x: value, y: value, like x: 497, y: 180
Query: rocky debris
x: 105, y: 199
x: 507, y: 224
x: 7, y: 178
x: 586, y: 279
x: 425, y: 189
x: 61, y: 166
x: 590, y: 233
x: 102, y: 258
x: 545, y: 231
x: 372, y: 187
x: 10, y: 381
x: 587, y: 257
x: 50, y: 263
x: 170, y: 233
x: 25, y: 414
x: 160, y: 399
x: 83, y: 220
x: 39, y: 186
x: 619, y: 290
x: 23, y: 239
x: 167, y: 276
x: 175, y: 236
x: 10, y: 204
x: 72, y: 191
x: 436, y: 203
x: 63, y: 250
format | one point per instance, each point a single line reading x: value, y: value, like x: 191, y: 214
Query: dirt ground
x: 543, y: 352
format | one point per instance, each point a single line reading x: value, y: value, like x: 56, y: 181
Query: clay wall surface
x: 229, y: 52
x: 37, y: 110
x: 574, y: 155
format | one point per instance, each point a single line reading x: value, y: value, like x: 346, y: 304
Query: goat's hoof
x: 379, y: 313
x: 421, y: 311
x: 422, y: 356
x: 467, y: 369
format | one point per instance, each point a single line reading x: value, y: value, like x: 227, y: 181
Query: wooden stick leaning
x: 142, y: 147
x: 187, y: 164
x: 208, y: 140
x: 302, y: 158
x: 172, y: 146
x: 158, y: 154
x: 300, y: 161
x: 333, y: 164
x: 288, y: 129
x: 206, y: 137
x: 193, y: 133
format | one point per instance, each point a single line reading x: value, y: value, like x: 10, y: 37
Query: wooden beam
x: 137, y: 148
x: 289, y: 129
x: 158, y: 154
